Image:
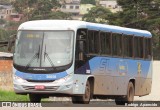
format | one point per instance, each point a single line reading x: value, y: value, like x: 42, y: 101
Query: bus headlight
x: 18, y: 79
x: 69, y: 76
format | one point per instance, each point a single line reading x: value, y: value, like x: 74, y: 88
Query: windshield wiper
x: 37, y: 55
x: 49, y: 59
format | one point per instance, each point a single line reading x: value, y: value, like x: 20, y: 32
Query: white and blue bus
x: 82, y: 60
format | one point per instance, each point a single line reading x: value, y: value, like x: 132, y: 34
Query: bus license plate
x: 39, y: 87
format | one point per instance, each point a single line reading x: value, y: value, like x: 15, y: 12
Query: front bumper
x: 51, y: 88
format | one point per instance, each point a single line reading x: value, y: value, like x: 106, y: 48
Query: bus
x: 81, y: 60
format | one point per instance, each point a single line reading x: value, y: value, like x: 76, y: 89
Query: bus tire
x: 130, y: 93
x: 129, y: 98
x: 84, y: 99
x: 35, y: 98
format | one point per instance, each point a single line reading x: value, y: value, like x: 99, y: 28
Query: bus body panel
x: 112, y: 75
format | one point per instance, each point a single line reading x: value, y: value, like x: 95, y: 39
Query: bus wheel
x: 35, y: 98
x: 84, y: 99
x: 129, y: 98
x: 130, y: 93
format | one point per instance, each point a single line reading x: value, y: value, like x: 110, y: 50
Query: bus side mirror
x: 11, y: 42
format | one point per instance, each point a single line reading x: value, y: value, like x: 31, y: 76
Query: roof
x: 4, y: 54
x: 75, y: 24
x: 6, y: 6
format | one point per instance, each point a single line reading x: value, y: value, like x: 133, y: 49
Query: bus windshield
x: 43, y: 48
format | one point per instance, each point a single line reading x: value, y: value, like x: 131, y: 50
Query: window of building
x: 77, y: 7
x: 71, y: 7
x: 109, y: 6
x: 64, y: 7
x: 7, y: 11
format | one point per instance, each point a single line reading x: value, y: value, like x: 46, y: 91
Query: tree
x: 97, y: 14
x: 5, y: 36
x: 5, y: 2
x: 2, y: 21
x: 38, y: 9
x: 53, y: 15
x: 88, y: 2
x: 141, y: 14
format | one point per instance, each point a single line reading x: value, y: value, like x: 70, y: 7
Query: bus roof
x: 75, y: 24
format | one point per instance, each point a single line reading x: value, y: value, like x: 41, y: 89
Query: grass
x: 11, y: 96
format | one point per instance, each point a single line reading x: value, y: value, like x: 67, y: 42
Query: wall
x: 6, y: 74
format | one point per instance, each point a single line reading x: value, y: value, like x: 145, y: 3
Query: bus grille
x: 47, y: 88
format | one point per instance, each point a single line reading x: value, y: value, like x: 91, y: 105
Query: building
x: 71, y: 6
x: 5, y: 10
x: 7, y: 13
x: 110, y: 4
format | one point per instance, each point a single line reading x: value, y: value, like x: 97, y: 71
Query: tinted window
x: 147, y: 48
x: 128, y: 46
x: 105, y: 43
x: 93, y: 40
x: 138, y: 44
x: 117, y: 44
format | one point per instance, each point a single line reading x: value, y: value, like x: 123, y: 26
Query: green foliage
x: 53, y: 15
x: 2, y: 21
x: 97, y: 14
x: 11, y: 96
x: 141, y: 14
x: 5, y: 2
x: 39, y: 9
x: 4, y: 36
x: 88, y: 2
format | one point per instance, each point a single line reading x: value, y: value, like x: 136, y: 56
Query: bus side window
x: 128, y: 46
x: 138, y: 44
x: 81, y: 44
x: 91, y: 41
x: 105, y: 43
x: 117, y: 44
x: 136, y: 49
x: 108, y: 43
x: 147, y: 47
x: 141, y: 47
x: 96, y: 42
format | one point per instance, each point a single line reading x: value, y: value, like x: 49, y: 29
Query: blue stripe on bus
x: 31, y: 76
x: 116, y: 66
x: 120, y: 31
